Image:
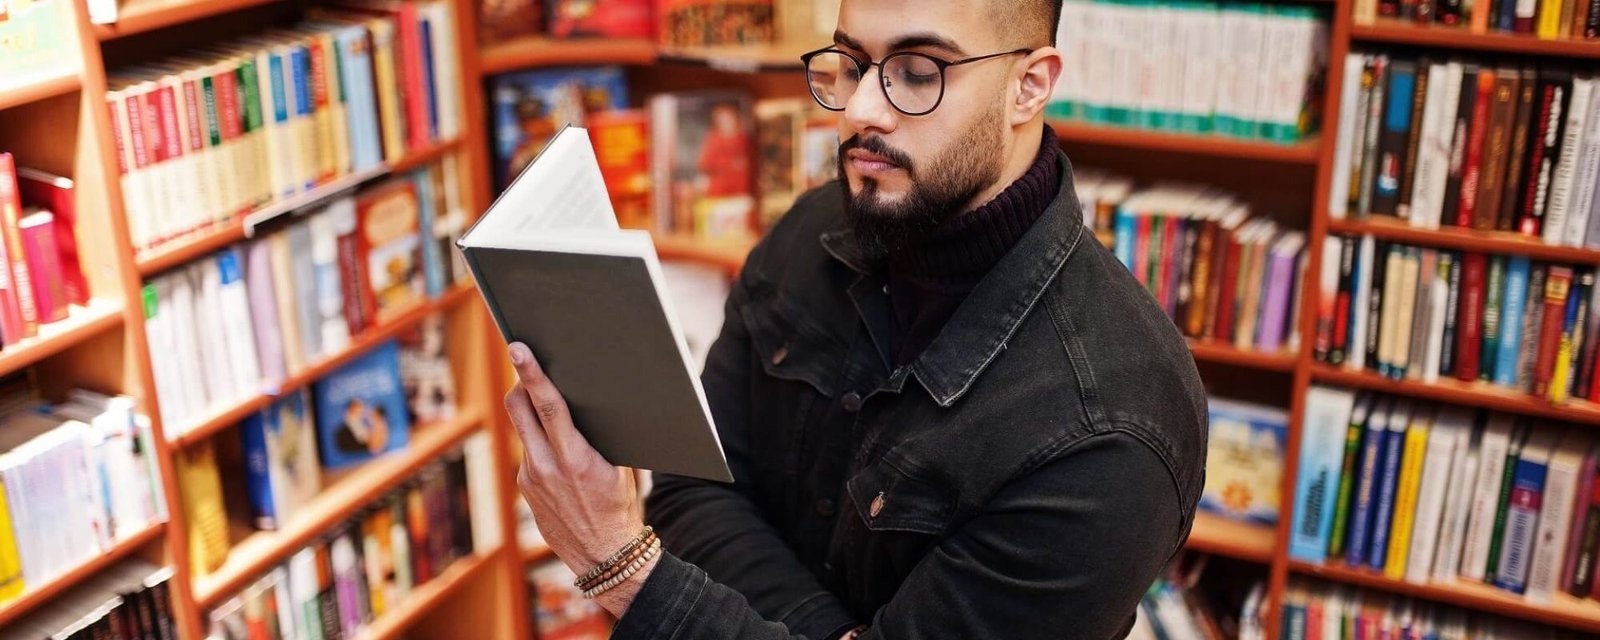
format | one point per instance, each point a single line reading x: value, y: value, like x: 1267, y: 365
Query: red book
x: 231, y: 126
x: 319, y: 105
x: 1167, y: 261
x: 37, y: 229
x: 1472, y: 174
x: 1141, y: 250
x: 149, y: 116
x: 408, y: 64
x: 54, y: 194
x: 135, y: 110
x: 1226, y: 304
x: 169, y: 146
x: 1469, y: 326
x: 353, y: 278
x: 1556, y: 287
x: 1531, y: 218
x: 21, y: 277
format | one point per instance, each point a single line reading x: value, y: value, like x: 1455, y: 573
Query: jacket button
x: 825, y: 508
x: 780, y: 355
x: 877, y: 506
x: 851, y: 402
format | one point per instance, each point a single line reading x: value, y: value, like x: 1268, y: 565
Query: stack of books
x: 41, y: 277
x: 131, y: 599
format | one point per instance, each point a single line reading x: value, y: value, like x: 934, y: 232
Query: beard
x: 939, y: 189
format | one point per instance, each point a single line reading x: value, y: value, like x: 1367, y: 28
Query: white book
x: 1458, y: 500
x: 1557, y: 210
x: 483, y: 493
x: 327, y: 225
x: 279, y: 182
x: 1356, y: 354
x: 1128, y: 26
x: 212, y: 336
x: 238, y: 328
x: 1578, y: 197
x: 303, y: 591
x: 1555, y: 515
x: 1449, y: 428
x: 1344, y: 139
x: 130, y: 178
x: 191, y: 382
x: 446, y: 68
x: 157, y: 312
x: 1438, y: 296
x: 1486, y: 498
x: 1582, y: 205
x: 1433, y: 169
x: 1099, y: 43
x: 1069, y: 40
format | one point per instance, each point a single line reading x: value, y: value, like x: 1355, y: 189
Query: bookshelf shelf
x: 394, y: 623
x: 12, y: 95
x: 1495, y: 242
x: 537, y: 555
x: 741, y: 59
x: 1565, y: 611
x: 1300, y: 153
x: 83, y: 323
x: 231, y: 415
x: 1224, y: 537
x: 12, y: 609
x: 221, y: 235
x: 139, y: 16
x: 1477, y: 394
x: 524, y: 53
x: 1225, y: 353
x: 1396, y: 32
x: 725, y: 253
x: 340, y: 497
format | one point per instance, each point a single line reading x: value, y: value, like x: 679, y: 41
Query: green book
x: 1519, y: 439
x: 1493, y: 299
x: 1347, y: 477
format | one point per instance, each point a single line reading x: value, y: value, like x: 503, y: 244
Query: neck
x: 1020, y: 153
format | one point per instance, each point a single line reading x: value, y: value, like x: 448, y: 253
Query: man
x: 950, y: 413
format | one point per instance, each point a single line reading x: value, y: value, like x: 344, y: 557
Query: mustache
x: 875, y: 146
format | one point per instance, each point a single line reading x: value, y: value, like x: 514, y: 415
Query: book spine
x: 1457, y: 138
x: 15, y: 257
x: 1371, y: 161
x: 1587, y: 512
x: 1472, y: 171
x: 1502, y: 113
x: 1493, y: 316
x: 1524, y: 131
x: 1514, y: 302
x: 1532, y: 320
x: 1361, y: 516
x: 1452, y: 315
x: 1473, y: 268
x: 1388, y: 483
x: 1491, y: 572
x: 1396, y: 130
x: 1522, y: 519
x: 1557, y: 287
x: 1422, y: 94
x: 44, y: 264
x: 1407, y: 490
x: 258, y: 477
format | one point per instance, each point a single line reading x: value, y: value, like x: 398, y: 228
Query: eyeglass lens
x: 913, y: 82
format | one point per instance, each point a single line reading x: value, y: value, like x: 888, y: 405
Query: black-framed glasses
x: 912, y: 82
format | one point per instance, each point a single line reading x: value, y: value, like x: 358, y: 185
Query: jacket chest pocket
x: 801, y: 364
x: 898, y: 517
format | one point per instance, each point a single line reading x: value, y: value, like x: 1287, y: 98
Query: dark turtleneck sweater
x: 930, y: 278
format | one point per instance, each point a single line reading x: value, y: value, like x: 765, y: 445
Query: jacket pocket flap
x: 888, y: 499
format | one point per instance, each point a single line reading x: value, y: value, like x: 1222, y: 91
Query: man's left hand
x: 586, y: 508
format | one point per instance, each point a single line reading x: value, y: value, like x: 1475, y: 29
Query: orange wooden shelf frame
x: 423, y: 599
x: 537, y: 555
x: 1072, y: 131
x: 523, y: 53
x: 1225, y: 353
x: 83, y: 323
x: 1564, y: 611
x: 727, y: 253
x: 1221, y: 536
x: 218, y: 236
x: 228, y: 417
x: 40, y: 594
x: 1495, y: 242
x: 140, y: 16
x: 1474, y: 394
x: 741, y: 59
x: 11, y: 96
x: 341, y: 497
x: 1396, y: 32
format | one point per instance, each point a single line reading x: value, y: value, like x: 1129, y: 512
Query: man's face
x: 907, y: 174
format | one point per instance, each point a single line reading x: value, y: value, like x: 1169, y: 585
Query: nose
x: 869, y: 109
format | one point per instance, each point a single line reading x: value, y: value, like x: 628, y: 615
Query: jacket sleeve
x: 1066, y: 551
x: 718, y: 527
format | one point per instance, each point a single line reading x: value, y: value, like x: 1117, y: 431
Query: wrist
x: 619, y: 598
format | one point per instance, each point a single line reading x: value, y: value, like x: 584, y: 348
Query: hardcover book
x: 361, y: 409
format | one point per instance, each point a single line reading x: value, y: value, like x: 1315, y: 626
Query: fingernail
x: 518, y: 353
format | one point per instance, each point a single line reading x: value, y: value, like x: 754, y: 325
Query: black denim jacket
x: 1027, y: 476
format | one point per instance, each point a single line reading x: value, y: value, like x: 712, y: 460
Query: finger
x: 548, y: 404
x: 536, y: 450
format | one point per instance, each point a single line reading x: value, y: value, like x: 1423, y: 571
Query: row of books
x: 1546, y: 19
x: 40, y: 274
x: 75, y: 479
x: 712, y: 163
x: 1314, y: 609
x: 1247, y: 70
x: 236, y: 323
x: 1219, y: 273
x: 1421, y: 314
x: 1451, y: 143
x: 130, y: 600
x: 682, y: 23
x: 211, y: 135
x: 361, y: 568
x: 1438, y: 493
x: 1179, y: 606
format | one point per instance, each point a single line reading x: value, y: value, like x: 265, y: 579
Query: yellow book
x: 11, y: 584
x: 1549, y: 26
x: 390, y: 116
x: 1561, y: 379
x: 202, y: 503
x: 1405, y: 496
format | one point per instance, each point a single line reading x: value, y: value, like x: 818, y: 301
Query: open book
x: 558, y: 275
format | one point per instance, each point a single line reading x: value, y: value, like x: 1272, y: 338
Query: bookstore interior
x: 249, y: 389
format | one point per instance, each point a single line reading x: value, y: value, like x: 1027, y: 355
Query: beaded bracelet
x: 615, y: 557
x: 627, y: 572
x: 633, y: 554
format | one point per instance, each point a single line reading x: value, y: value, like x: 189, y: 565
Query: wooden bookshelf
x: 741, y: 59
x: 425, y: 598
x: 1396, y: 32
x: 83, y: 323
x: 727, y: 254
x: 1226, y: 353
x: 225, y: 418
x: 525, y: 53
x: 10, y: 610
x: 216, y: 237
x: 1564, y: 611
x: 1231, y: 538
x: 1490, y: 242
x: 1073, y: 131
x: 12, y: 95
x: 341, y: 497
x: 140, y: 16
x: 1474, y: 394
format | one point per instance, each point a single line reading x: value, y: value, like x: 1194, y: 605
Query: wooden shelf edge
x: 225, y: 418
x: 1221, y: 536
x: 739, y: 59
x: 1471, y: 394
x: 1493, y: 242
x: 1305, y: 152
x: 261, y: 550
x: 149, y: 16
x: 1224, y: 353
x: 425, y: 598
x: 1394, y: 31
x: 727, y: 254
x: 218, y: 236
x: 11, y: 610
x: 532, y: 52
x: 83, y: 323
x: 537, y: 555
x: 40, y: 90
x: 1565, y: 611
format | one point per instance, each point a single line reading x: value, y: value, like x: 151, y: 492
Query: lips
x: 867, y: 162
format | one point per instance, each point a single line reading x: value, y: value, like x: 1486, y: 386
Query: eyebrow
x: 909, y: 41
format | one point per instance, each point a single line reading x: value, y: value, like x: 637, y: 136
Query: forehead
x: 880, y: 24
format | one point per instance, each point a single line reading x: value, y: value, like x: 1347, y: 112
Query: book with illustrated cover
x: 528, y: 108
x: 622, y: 146
x: 600, y: 18
x: 780, y: 165
x: 389, y: 218
x: 503, y: 20
x: 280, y: 450
x: 425, y: 372
x: 819, y: 149
x: 708, y: 23
x: 559, y: 611
x: 361, y: 409
x: 1246, y: 447
x: 703, y: 147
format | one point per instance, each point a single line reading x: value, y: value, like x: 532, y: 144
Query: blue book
x: 1372, y: 453
x: 257, y: 470
x: 432, y: 257
x: 428, y: 81
x: 361, y: 104
x: 1327, y: 418
x: 1515, y: 304
x: 1253, y: 438
x: 1493, y: 302
x: 280, y: 102
x: 1122, y: 244
x: 530, y: 107
x: 1522, y: 510
x: 1396, y: 124
x: 361, y: 409
x: 1383, y: 509
x: 300, y: 69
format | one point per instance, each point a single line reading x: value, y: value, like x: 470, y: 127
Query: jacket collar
x: 990, y: 315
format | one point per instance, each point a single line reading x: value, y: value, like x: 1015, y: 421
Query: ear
x: 1040, y: 71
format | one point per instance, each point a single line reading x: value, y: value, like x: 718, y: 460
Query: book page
x: 560, y: 190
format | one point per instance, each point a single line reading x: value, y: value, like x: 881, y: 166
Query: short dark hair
x: 1037, y: 20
